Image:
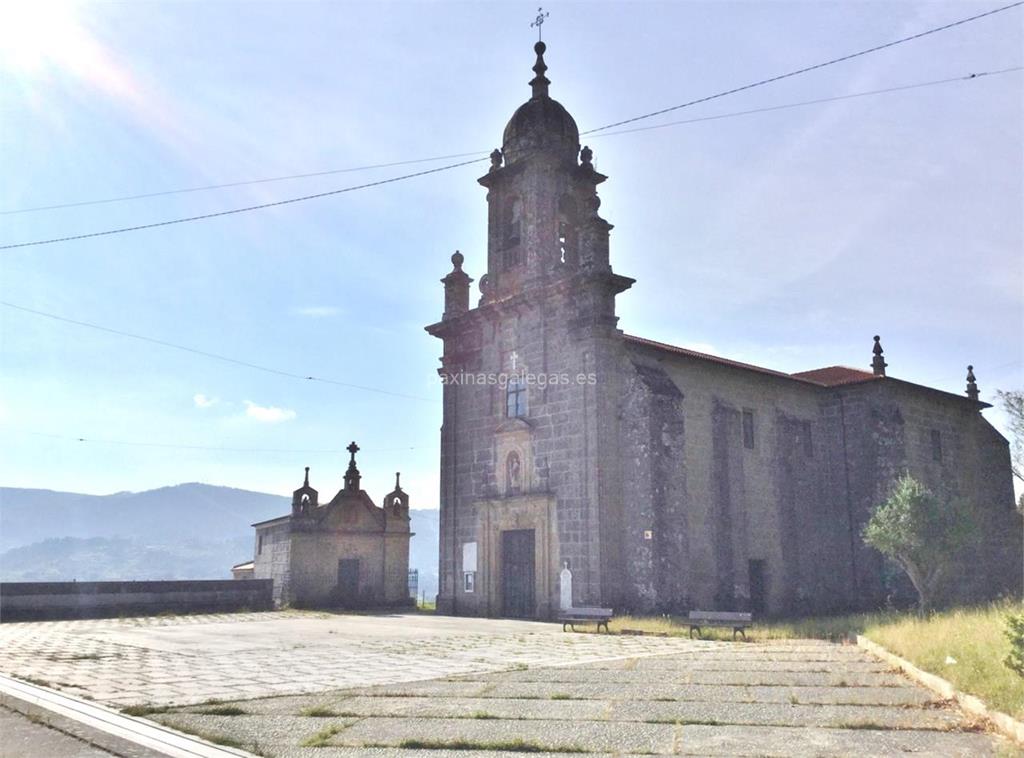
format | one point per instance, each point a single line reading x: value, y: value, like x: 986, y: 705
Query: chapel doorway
x: 518, y: 573
x: 348, y: 580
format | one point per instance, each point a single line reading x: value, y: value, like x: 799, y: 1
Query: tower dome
x: 540, y: 123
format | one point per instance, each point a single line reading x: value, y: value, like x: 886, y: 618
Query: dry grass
x: 973, y: 637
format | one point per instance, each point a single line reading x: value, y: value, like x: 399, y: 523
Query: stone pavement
x: 190, y: 659
x: 23, y: 737
x: 414, y: 686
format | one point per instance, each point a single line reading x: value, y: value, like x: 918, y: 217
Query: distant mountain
x: 188, y: 531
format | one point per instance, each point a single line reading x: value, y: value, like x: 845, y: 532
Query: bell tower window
x: 511, y: 231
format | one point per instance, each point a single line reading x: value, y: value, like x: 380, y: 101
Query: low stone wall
x: 36, y: 601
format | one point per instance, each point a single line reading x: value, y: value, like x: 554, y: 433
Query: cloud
x: 202, y: 401
x: 317, y: 311
x: 269, y: 414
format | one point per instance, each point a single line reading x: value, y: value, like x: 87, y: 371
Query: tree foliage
x: 922, y: 533
x: 1015, y: 634
x: 1013, y: 405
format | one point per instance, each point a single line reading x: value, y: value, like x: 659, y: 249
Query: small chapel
x: 346, y: 553
x: 661, y: 479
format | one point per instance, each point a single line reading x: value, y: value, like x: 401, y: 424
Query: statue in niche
x: 514, y: 474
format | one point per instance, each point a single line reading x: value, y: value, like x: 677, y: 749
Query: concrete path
x: 23, y: 737
x: 780, y: 699
x: 416, y: 686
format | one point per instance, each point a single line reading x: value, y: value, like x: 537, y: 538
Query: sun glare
x: 32, y: 33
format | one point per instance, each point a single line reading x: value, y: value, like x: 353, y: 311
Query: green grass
x: 143, y: 709
x: 319, y: 712
x: 973, y: 637
x: 223, y: 710
x: 323, y: 737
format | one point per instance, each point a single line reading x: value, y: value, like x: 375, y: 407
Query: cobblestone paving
x: 190, y: 659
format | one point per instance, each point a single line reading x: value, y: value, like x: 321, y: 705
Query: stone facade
x: 664, y: 478
x: 347, y: 553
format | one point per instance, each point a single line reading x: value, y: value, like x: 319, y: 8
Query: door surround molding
x: 533, y: 511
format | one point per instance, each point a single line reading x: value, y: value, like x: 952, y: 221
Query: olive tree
x: 922, y: 533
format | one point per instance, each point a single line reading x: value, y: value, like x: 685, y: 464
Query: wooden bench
x: 571, y: 616
x: 737, y: 621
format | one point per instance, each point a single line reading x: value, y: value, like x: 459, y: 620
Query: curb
x: 104, y: 727
x: 1003, y: 723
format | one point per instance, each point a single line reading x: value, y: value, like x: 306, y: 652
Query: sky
x: 784, y: 238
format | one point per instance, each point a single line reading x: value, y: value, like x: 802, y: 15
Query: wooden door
x: 518, y: 573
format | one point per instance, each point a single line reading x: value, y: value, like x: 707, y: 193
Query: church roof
x: 713, y: 358
x: 829, y: 376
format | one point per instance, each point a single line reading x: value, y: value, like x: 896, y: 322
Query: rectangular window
x: 805, y: 434
x: 259, y: 545
x: 515, y: 398
x: 748, y: 430
x: 936, y: 445
x: 469, y: 581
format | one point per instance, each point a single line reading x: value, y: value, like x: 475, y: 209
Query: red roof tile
x: 833, y: 376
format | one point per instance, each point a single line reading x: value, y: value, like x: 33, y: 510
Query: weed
x: 224, y: 710
x: 143, y: 709
x: 323, y: 737
x: 318, y: 712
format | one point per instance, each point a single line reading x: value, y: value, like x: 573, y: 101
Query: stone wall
x: 273, y: 558
x: 31, y: 601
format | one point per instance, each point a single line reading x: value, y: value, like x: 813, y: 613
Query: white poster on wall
x: 468, y: 556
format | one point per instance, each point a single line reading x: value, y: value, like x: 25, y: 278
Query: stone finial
x: 540, y: 83
x: 587, y: 157
x: 398, y: 486
x: 456, y: 289
x: 972, y: 384
x: 306, y: 482
x: 496, y: 159
x: 878, y: 363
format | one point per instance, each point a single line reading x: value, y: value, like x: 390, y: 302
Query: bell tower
x: 543, y: 221
x: 530, y: 380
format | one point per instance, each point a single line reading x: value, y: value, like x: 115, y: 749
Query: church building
x: 663, y: 478
x: 348, y: 553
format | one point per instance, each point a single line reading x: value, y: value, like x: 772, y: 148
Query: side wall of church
x: 272, y: 559
x: 892, y: 427
x: 707, y: 498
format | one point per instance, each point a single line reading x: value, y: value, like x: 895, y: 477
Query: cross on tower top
x: 539, y: 22
x: 353, y: 448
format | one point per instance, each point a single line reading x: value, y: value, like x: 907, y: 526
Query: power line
x: 232, y: 211
x: 850, y: 96
x: 733, y: 114
x: 133, y: 443
x: 806, y: 69
x: 226, y: 185
x: 206, y: 354
x: 457, y: 155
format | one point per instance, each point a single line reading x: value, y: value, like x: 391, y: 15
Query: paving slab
x: 785, y: 742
